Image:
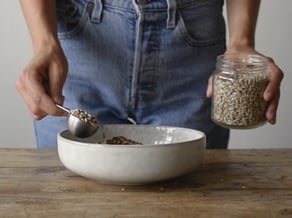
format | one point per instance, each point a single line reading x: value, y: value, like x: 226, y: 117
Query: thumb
x: 209, y: 88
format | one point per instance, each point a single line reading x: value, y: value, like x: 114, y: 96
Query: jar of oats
x: 238, y: 87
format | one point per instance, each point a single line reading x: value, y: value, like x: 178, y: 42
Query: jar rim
x: 242, y: 62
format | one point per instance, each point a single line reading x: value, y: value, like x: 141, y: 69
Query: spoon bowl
x: 80, y: 128
x: 80, y: 123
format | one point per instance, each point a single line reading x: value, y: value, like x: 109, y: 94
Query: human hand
x: 272, y: 91
x: 41, y: 82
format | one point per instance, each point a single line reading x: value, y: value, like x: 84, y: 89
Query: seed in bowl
x: 121, y: 140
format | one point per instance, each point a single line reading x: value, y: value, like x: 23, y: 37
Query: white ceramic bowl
x: 167, y: 152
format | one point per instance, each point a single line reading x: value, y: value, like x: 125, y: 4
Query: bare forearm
x: 242, y: 19
x: 40, y: 17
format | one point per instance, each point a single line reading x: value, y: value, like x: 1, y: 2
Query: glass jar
x: 238, y: 87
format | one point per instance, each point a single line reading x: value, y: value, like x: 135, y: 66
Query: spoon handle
x: 63, y: 108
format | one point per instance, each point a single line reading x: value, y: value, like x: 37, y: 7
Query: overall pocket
x: 71, y: 17
x: 202, y: 23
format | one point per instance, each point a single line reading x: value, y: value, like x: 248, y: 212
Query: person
x: 147, y: 60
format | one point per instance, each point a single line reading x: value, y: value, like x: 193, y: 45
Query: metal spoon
x: 80, y: 123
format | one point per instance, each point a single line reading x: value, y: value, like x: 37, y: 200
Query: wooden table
x: 231, y: 183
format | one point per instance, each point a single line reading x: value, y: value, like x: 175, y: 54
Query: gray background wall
x: 274, y: 34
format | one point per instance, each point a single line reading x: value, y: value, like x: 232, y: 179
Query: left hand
x: 272, y: 91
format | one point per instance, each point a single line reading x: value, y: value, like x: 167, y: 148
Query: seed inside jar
x: 84, y: 116
x: 238, y: 102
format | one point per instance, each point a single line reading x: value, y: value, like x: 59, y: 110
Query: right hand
x: 41, y: 82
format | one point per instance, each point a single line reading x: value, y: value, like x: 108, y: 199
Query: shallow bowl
x: 166, y: 152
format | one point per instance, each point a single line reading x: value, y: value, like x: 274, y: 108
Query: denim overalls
x: 147, y: 60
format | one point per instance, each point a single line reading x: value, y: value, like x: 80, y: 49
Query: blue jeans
x: 147, y: 60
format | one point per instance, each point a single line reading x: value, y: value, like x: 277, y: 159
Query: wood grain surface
x: 230, y: 183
